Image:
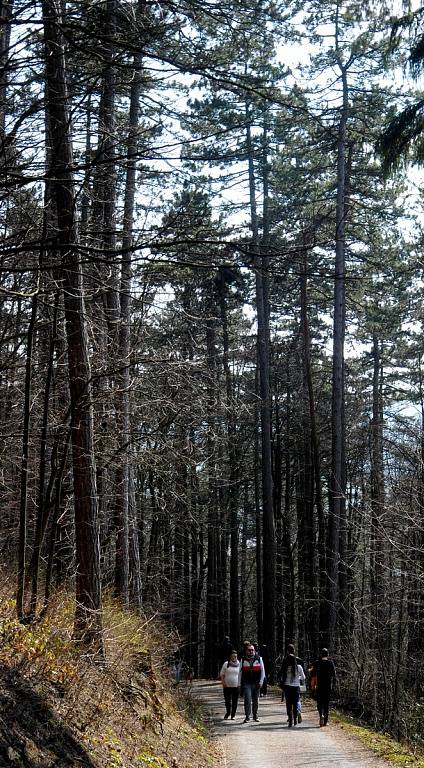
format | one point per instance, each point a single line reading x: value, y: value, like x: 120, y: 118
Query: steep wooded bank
x: 62, y: 706
x: 211, y: 379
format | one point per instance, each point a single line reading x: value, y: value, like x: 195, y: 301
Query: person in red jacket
x: 251, y: 678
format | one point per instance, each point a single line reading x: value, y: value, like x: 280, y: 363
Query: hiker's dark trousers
x: 231, y: 699
x: 323, y: 702
x: 292, y: 693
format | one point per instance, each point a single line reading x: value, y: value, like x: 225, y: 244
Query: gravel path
x: 271, y: 744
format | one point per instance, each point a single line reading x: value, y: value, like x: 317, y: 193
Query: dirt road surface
x: 269, y: 743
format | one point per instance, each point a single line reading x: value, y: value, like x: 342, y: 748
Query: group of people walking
x: 246, y: 677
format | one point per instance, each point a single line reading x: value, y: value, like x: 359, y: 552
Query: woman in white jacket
x: 229, y: 676
x: 291, y: 677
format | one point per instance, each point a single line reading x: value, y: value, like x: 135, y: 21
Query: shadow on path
x: 269, y: 743
x: 31, y: 735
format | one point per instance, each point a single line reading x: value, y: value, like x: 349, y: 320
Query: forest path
x: 269, y: 743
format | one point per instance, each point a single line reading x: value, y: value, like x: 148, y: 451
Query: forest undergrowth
x: 400, y: 754
x: 61, y: 707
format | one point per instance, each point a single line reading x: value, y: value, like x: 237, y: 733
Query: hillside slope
x: 61, y: 708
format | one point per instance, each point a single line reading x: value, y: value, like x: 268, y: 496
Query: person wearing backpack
x: 229, y: 676
x: 291, y: 677
x: 251, y: 678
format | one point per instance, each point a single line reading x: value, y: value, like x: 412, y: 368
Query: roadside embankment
x: 61, y: 707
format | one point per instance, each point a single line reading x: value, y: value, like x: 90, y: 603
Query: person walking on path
x: 251, y: 678
x: 299, y: 703
x: 264, y: 654
x: 325, y: 672
x: 291, y: 676
x: 229, y: 675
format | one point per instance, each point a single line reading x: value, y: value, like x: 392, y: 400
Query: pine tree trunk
x: 258, y: 516
x: 415, y: 544
x: 288, y: 575
x: 243, y: 555
x: 381, y: 595
x: 6, y: 14
x: 210, y: 663
x: 54, y: 527
x: 278, y: 516
x: 262, y: 308
x: 20, y: 593
x: 88, y: 612
x: 197, y: 570
x: 337, y: 480
x: 43, y: 501
x: 125, y: 574
x: 135, y: 583
x: 233, y: 482
x: 315, y: 564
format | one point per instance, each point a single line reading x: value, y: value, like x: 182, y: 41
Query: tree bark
x: 313, y: 562
x: 210, y: 665
x: 124, y: 573
x: 88, y: 611
x: 20, y: 594
x: 233, y: 482
x: 262, y: 307
x: 43, y: 502
x: 337, y: 480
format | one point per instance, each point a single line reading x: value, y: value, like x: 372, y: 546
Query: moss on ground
x: 400, y: 755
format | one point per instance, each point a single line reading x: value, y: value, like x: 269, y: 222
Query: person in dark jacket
x: 325, y: 672
x: 264, y: 654
x: 251, y: 678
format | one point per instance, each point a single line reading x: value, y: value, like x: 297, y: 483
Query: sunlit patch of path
x: 269, y: 743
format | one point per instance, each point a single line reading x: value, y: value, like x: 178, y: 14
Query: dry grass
x: 58, y: 704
